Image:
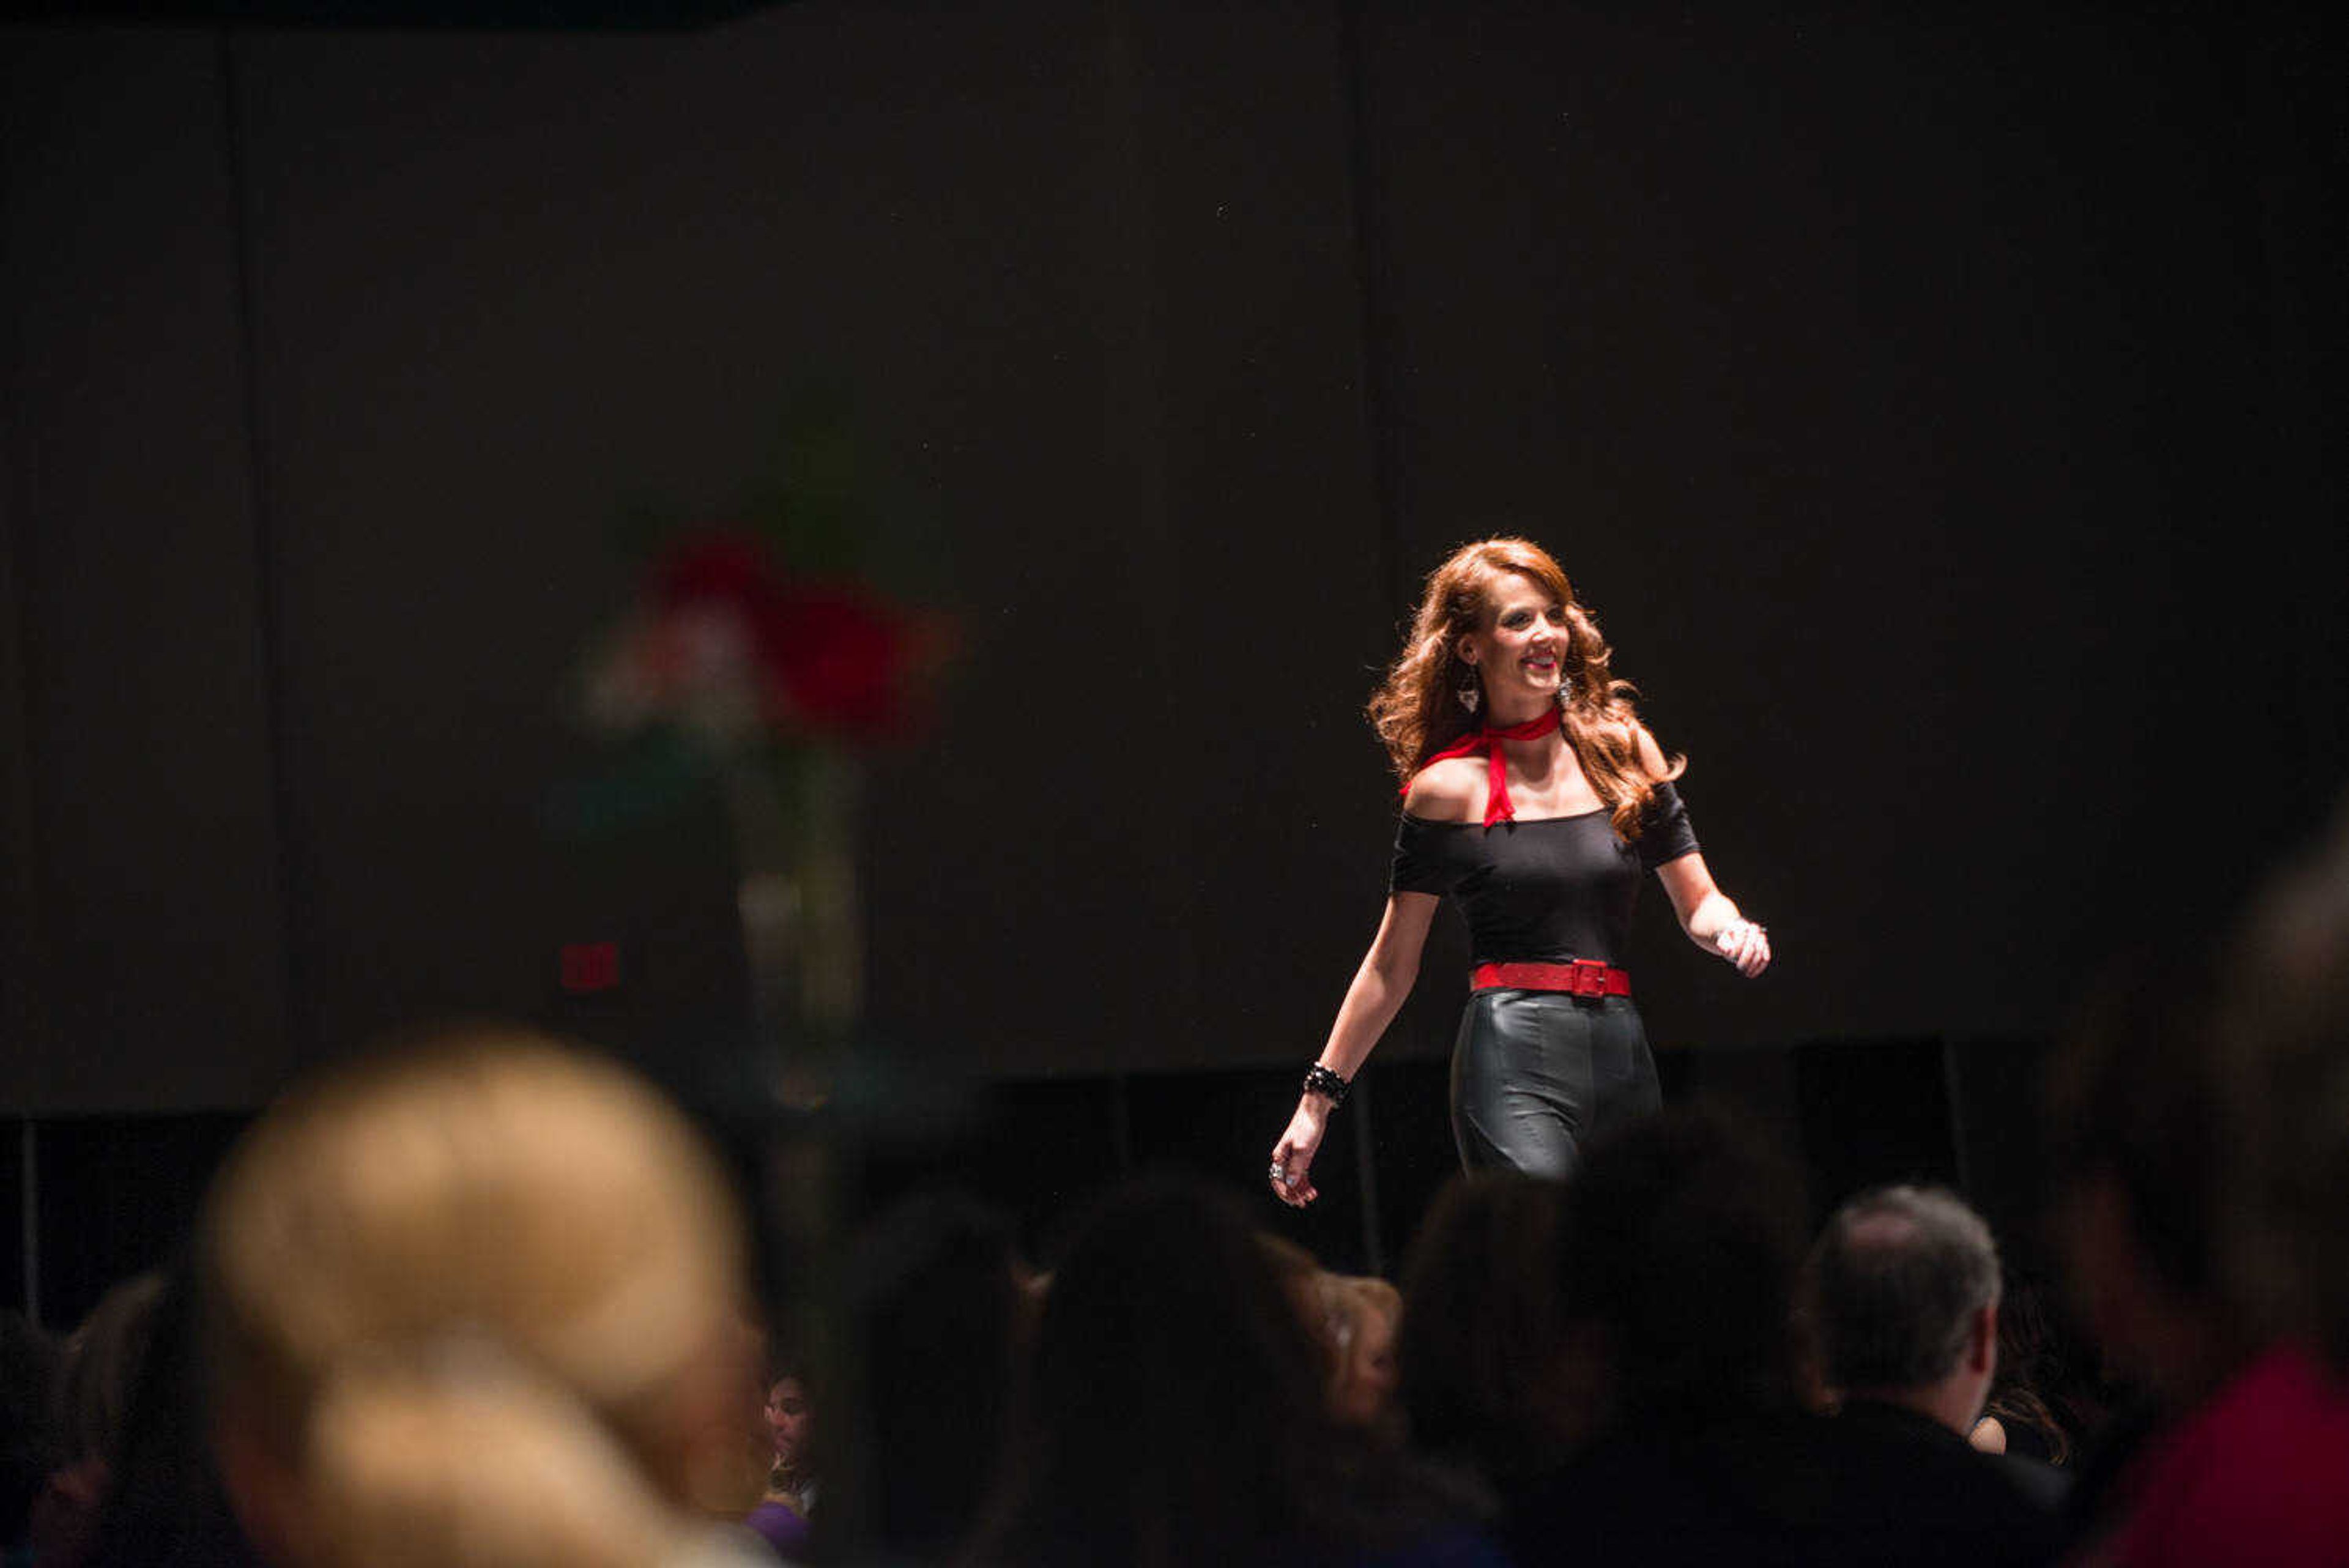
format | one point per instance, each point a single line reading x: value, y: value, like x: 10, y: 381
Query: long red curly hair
x: 1416, y: 709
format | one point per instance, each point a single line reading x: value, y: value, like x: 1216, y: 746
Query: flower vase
x: 793, y: 816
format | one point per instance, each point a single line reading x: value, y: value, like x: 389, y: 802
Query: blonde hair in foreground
x: 482, y: 1303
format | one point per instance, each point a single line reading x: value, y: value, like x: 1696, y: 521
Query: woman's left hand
x: 1711, y: 922
x: 1746, y: 944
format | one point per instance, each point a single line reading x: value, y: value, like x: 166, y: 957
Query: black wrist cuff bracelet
x: 1319, y: 1080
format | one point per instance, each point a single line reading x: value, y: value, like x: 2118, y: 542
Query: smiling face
x: 1521, y: 651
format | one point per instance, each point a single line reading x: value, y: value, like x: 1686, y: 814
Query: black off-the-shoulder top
x: 1544, y: 889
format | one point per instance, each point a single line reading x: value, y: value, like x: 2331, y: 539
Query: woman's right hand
x: 1292, y: 1157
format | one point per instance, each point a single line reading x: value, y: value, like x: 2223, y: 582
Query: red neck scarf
x: 1496, y: 795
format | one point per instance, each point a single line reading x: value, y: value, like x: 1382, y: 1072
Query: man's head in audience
x: 1903, y: 1289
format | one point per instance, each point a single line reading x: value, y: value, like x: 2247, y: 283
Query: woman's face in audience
x: 787, y: 1419
x: 1366, y: 1384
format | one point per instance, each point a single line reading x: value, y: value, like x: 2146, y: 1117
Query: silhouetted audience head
x: 1360, y: 1314
x: 166, y: 1507
x: 2042, y: 1397
x: 2286, y: 1076
x: 1478, y: 1353
x: 478, y: 1301
x: 790, y: 1424
x: 1352, y: 1320
x: 2136, y: 1147
x: 2205, y: 1144
x: 788, y: 1499
x: 1300, y: 1274
x: 936, y: 1323
x: 1902, y: 1290
x: 98, y: 1369
x: 1681, y: 1242
x: 28, y: 1440
x: 1177, y: 1407
x: 102, y: 1358
x: 1174, y: 1384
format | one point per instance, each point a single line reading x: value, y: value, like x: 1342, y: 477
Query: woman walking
x: 1533, y: 795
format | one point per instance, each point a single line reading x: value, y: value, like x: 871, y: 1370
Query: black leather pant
x: 1535, y: 1073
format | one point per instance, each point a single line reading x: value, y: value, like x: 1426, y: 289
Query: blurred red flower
x: 729, y: 642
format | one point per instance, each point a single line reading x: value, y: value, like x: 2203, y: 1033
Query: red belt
x: 1582, y: 977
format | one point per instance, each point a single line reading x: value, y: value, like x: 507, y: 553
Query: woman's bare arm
x: 1376, y: 995
x: 1708, y: 915
x: 1446, y: 792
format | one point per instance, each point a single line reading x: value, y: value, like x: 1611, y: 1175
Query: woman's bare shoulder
x: 1447, y: 791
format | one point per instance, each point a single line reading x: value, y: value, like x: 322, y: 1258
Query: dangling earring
x: 1471, y: 694
x: 1565, y: 692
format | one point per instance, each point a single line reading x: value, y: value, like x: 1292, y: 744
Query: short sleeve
x: 1427, y: 856
x: 1664, y: 830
